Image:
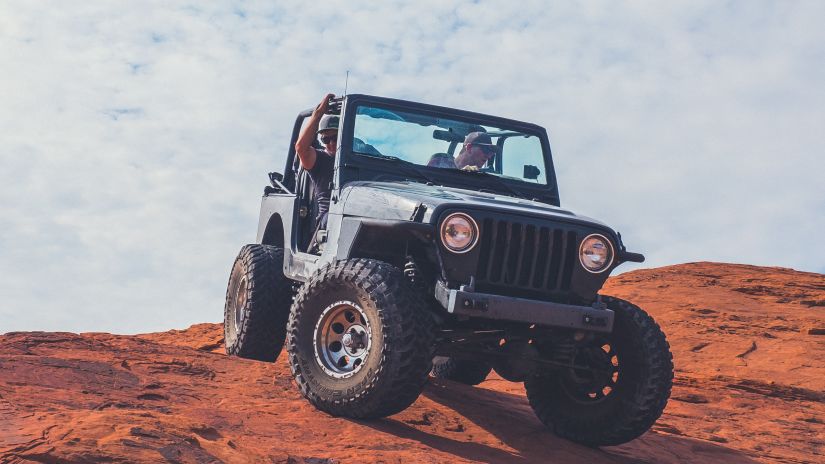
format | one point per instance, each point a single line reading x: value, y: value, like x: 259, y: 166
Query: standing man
x: 319, y: 163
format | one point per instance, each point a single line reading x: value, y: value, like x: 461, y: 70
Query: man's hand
x: 470, y: 167
x: 323, y: 107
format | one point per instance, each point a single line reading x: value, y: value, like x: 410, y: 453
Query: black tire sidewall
x: 642, y: 389
x: 320, y: 382
x: 625, y: 339
x: 262, y: 329
x: 231, y: 332
x: 401, y: 342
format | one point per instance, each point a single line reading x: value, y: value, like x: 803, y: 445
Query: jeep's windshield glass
x: 439, y: 143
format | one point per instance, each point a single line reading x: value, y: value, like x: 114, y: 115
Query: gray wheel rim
x: 238, y: 304
x: 342, y: 339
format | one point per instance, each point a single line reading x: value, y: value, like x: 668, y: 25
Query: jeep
x: 430, y: 268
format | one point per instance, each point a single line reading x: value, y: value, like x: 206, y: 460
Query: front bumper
x: 465, y: 302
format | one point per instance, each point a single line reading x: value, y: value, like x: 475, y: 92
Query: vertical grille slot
x: 515, y: 249
x: 555, y: 260
x: 528, y: 256
x: 570, y: 257
x: 541, y: 258
x: 499, y: 243
x: 487, y: 231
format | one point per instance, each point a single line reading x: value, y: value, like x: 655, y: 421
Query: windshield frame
x: 354, y: 167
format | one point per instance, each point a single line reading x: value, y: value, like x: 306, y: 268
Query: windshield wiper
x: 498, y: 181
x: 407, y: 167
x: 377, y: 155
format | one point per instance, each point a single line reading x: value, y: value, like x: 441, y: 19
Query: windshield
x: 448, y: 144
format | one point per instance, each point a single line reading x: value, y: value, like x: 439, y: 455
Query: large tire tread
x: 269, y: 296
x: 466, y: 371
x: 408, y: 338
x: 636, y: 413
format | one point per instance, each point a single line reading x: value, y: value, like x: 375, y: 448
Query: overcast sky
x: 135, y: 137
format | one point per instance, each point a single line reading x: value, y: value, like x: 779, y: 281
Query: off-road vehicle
x: 433, y: 268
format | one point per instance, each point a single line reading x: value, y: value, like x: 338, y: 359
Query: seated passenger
x: 476, y: 151
x: 441, y: 160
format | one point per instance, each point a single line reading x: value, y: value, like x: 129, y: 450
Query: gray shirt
x: 321, y: 176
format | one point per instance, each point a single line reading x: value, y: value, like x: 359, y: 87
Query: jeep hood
x: 404, y: 200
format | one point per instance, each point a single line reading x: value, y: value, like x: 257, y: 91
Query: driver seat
x: 307, y: 209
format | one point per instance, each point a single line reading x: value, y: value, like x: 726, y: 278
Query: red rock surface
x: 748, y: 347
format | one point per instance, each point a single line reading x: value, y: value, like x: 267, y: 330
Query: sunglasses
x: 325, y: 139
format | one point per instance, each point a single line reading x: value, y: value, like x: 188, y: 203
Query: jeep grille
x: 525, y: 256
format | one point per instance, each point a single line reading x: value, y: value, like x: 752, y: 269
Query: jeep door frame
x: 279, y: 222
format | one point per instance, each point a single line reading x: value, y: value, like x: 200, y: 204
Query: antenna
x: 346, y: 83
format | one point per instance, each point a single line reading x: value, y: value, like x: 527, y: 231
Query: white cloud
x: 136, y: 136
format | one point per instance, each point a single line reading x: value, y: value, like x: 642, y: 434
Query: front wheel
x: 360, y: 340
x: 618, y: 388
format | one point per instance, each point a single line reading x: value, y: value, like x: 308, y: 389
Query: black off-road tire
x: 638, y: 391
x: 258, y: 298
x: 466, y: 371
x: 401, y: 340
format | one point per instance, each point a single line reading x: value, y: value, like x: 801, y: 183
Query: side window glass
x: 522, y: 159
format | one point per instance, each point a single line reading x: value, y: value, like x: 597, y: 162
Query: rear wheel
x: 466, y: 371
x: 258, y: 298
x: 618, y: 389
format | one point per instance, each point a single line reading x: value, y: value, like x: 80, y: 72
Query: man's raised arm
x: 303, y: 146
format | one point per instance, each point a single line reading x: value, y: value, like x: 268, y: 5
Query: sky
x: 135, y: 137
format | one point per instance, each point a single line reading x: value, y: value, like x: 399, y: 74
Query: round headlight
x: 459, y: 233
x: 596, y: 253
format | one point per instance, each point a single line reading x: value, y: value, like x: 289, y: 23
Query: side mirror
x: 277, y: 181
x: 531, y: 172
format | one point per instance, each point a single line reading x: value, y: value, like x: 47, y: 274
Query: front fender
x: 367, y: 237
